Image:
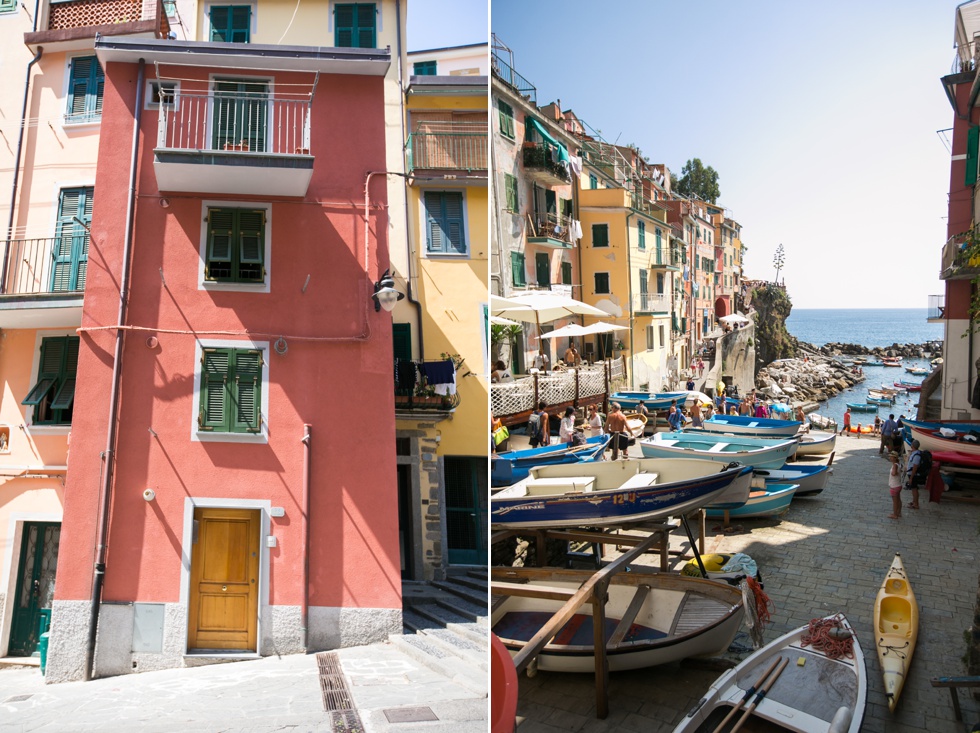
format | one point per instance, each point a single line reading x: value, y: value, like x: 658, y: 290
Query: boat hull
x: 771, y: 501
x: 757, y: 452
x: 509, y: 468
x: 930, y: 440
x: 805, y: 698
x: 677, y: 620
x: 629, y: 401
x: 756, y: 426
x: 861, y: 407
x: 817, y: 444
x: 896, y: 628
x: 810, y: 479
x: 607, y: 493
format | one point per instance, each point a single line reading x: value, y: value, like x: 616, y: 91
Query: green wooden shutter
x: 65, y: 395
x: 221, y: 233
x: 86, y: 85
x: 240, y: 115
x: 366, y: 16
x: 435, y: 239
x: 215, y: 368
x: 566, y: 273
x: 542, y: 268
x: 444, y: 225
x: 972, y: 147
x: 642, y: 240
x: 506, y: 114
x: 231, y: 23
x: 510, y: 187
x: 518, y: 278
x: 220, y: 22
x: 49, y: 369
x: 355, y: 25
x: 453, y: 221
x: 251, y: 232
x: 600, y: 235
x: 69, y: 250
x: 7, y: 5
x: 643, y: 282
x: 401, y: 340
x: 424, y: 68
x: 246, y: 391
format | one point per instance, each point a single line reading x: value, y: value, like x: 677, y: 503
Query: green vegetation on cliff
x: 773, y: 307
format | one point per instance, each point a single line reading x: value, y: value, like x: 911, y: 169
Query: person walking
x: 700, y: 368
x: 887, y: 433
x: 895, y: 486
x: 913, y: 474
x: 847, y: 421
x: 567, y: 426
x: 616, y: 426
x: 538, y: 427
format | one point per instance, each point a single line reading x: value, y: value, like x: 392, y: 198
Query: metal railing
x: 553, y: 226
x: 651, y: 303
x: 249, y: 122
x: 460, y: 151
x: 506, y: 73
x: 936, y: 308
x: 544, y: 156
x: 48, y: 265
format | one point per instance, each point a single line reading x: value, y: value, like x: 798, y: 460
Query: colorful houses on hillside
x: 234, y: 234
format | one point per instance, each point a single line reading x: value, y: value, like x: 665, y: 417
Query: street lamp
x: 385, y: 296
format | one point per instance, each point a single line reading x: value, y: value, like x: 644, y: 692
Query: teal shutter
x: 600, y: 235
x: 69, y: 250
x: 251, y: 234
x: 236, y: 246
x: 424, y: 68
x: 65, y: 395
x: 643, y: 282
x: 56, y: 381
x: 7, y: 5
x: 518, y: 277
x: 593, y: 181
x: 510, y: 187
x: 445, y: 231
x: 240, y: 115
x: 231, y: 390
x: 246, y: 391
x: 972, y: 147
x: 566, y: 273
x: 355, y: 25
x: 231, y: 23
x: 86, y: 85
x: 221, y: 236
x: 49, y: 369
x: 642, y: 228
x: 216, y: 365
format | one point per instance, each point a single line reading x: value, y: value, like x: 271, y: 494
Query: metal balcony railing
x: 552, y: 226
x: 937, y: 307
x: 651, y: 303
x: 455, y: 150
x: 246, y: 122
x: 48, y: 265
x: 543, y: 156
x: 506, y: 73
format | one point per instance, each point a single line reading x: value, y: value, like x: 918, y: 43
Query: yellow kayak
x: 896, y: 629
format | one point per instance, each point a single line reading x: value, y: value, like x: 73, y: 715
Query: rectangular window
x: 518, y: 277
x: 231, y: 23
x: 566, y: 273
x: 231, y: 390
x: 643, y: 282
x: 542, y: 268
x: 424, y: 68
x: 86, y: 84
x: 236, y: 246
x: 659, y: 235
x: 602, y: 282
x: 593, y: 181
x: 510, y: 187
x: 506, y: 113
x: 7, y: 6
x: 161, y: 92
x: 642, y: 239
x: 53, y: 396
x: 241, y: 112
x: 661, y: 329
x: 651, y: 340
x: 355, y: 25
x: 600, y: 235
x: 69, y: 251
x: 444, y: 226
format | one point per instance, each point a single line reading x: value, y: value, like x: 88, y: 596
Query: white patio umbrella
x: 544, y: 307
x: 572, y: 329
x: 603, y: 327
x: 498, y: 321
x: 734, y: 318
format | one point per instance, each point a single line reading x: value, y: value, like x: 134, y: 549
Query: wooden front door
x: 35, y: 586
x: 224, y: 595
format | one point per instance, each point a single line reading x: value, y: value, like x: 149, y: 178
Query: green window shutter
x: 7, y: 5
x: 86, y: 85
x: 510, y: 186
x: 506, y: 119
x: 246, y: 391
x: 56, y: 381
x: 251, y: 233
x: 215, y: 373
x: 593, y: 181
x: 221, y: 235
x: 518, y: 277
x: 424, y: 68
x: 542, y: 267
x: 401, y: 341
x: 972, y: 147
x: 600, y: 235
x: 69, y: 251
x: 355, y: 25
x: 231, y: 23
x: 643, y: 282
x: 642, y: 227
x: 566, y: 273
x: 445, y: 230
x: 236, y: 246
x: 240, y: 115
x: 602, y: 282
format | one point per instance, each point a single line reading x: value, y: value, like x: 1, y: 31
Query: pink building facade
x: 230, y: 489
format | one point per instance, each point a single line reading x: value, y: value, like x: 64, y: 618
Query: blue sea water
x: 867, y: 327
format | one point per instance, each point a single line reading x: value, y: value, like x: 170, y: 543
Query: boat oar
x: 748, y: 694
x: 760, y: 695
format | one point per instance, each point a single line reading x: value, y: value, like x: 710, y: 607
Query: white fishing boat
x: 758, y: 452
x: 650, y: 618
x: 789, y: 685
x: 760, y: 427
x: 816, y: 444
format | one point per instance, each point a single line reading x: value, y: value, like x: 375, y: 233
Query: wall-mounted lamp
x: 385, y: 296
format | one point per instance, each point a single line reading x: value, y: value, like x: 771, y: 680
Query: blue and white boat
x: 510, y: 467
x: 762, y: 427
x: 653, y: 400
x: 811, y: 479
x: 771, y: 501
x: 756, y: 452
x: 608, y: 493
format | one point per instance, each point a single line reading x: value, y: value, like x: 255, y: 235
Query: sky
x: 441, y: 23
x: 820, y: 119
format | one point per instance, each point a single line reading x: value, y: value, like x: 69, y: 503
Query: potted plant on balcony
x: 238, y: 147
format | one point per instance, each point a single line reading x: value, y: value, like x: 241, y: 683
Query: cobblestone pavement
x: 829, y: 553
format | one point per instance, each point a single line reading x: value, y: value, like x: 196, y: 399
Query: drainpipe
x: 305, y: 611
x: 408, y: 239
x: 20, y: 144
x: 109, y: 455
x: 629, y: 281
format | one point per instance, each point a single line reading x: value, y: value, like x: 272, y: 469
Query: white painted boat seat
x: 753, y: 424
x: 560, y: 485
x: 640, y: 481
x: 717, y: 448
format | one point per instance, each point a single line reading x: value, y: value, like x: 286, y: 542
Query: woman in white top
x: 595, y: 421
x: 567, y: 426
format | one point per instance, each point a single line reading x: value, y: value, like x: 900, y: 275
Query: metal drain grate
x: 336, y: 696
x: 18, y: 698
x: 345, y: 721
x: 410, y: 715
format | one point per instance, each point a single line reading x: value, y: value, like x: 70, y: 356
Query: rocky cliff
x: 773, y: 306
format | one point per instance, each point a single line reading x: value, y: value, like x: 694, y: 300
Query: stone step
x: 459, y: 645
x: 469, y: 611
x: 475, y: 583
x: 436, y: 657
x: 480, y: 574
x: 479, y: 598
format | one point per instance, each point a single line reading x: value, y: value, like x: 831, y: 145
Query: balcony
x: 234, y: 142
x: 542, y: 164
x: 936, y: 311
x: 71, y: 25
x: 662, y: 258
x: 44, y: 282
x: 460, y: 150
x: 551, y: 230
x: 955, y: 265
x: 651, y: 303
x: 421, y: 397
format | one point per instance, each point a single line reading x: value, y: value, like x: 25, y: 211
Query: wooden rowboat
x: 861, y: 407
x: 816, y: 444
x: 896, y: 621
x: 760, y: 427
x: 650, y: 618
x: 805, y: 690
x: 767, y: 500
x: 636, y: 424
x: 758, y: 452
x: 512, y: 466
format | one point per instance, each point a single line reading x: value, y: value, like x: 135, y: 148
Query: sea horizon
x: 868, y: 327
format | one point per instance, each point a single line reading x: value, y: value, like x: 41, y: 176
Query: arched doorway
x: 722, y: 307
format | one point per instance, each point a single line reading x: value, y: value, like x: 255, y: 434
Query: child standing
x: 895, y: 486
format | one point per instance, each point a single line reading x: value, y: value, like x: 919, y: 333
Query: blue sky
x: 821, y: 121
x: 440, y: 23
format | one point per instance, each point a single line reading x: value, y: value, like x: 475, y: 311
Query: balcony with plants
x: 414, y: 391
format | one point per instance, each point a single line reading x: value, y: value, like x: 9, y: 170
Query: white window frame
x: 209, y: 436
x: 148, y: 102
x: 378, y: 13
x: 204, y: 284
